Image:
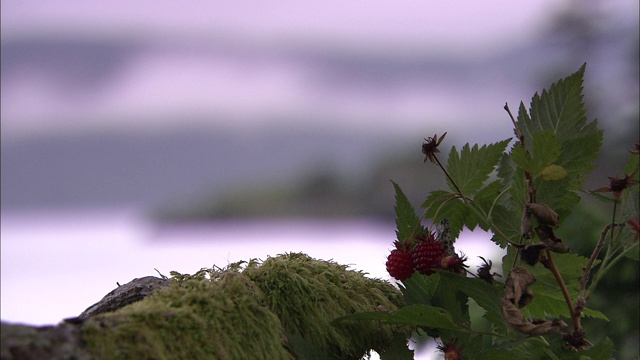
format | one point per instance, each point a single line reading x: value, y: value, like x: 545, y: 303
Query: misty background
x: 156, y: 135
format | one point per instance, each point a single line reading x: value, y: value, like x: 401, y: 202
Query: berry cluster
x: 425, y: 255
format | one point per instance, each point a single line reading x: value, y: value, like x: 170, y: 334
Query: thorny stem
x: 575, y: 316
x: 594, y: 256
x: 449, y: 177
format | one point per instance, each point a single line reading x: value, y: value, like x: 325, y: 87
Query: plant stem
x: 575, y: 317
x: 594, y: 256
x: 613, y: 217
x: 515, y: 124
x: 449, y: 177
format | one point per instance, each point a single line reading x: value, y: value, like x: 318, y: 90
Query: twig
x: 575, y: 316
x: 594, y: 256
x: 515, y: 124
x: 449, y: 177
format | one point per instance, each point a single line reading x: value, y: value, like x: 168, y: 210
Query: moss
x: 307, y: 294
x: 276, y: 309
x: 192, y: 319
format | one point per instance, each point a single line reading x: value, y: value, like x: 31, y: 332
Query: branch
x: 575, y: 316
x: 594, y: 256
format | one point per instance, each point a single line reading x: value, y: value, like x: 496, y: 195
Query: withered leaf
x: 549, y: 238
x: 516, y: 288
x: 531, y: 253
x: 516, y: 319
x: 543, y: 213
x: 526, y: 227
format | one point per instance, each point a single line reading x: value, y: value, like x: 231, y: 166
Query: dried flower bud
x: 543, y: 213
x: 430, y: 147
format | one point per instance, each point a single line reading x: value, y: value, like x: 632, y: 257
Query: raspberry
x: 455, y: 263
x: 400, y: 262
x: 428, y: 254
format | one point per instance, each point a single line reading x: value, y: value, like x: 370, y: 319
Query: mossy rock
x: 280, y: 308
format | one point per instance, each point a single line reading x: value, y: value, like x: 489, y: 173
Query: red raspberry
x: 428, y: 254
x: 400, y: 262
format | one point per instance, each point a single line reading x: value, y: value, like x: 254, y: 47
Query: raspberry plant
x: 521, y: 195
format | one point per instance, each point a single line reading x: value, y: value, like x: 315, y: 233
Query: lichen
x: 281, y: 308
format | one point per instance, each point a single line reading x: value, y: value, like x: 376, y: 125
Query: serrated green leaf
x: 550, y: 302
x: 487, y: 200
x: 506, y: 226
x: 452, y: 300
x: 522, y: 158
x: 548, y: 298
x: 484, y: 294
x: 514, y: 179
x: 416, y: 315
x: 546, y: 149
x: 442, y: 204
x: 569, y: 265
x: 560, y: 109
x: 558, y: 196
x: 407, y: 222
x: 419, y: 289
x: 471, y: 168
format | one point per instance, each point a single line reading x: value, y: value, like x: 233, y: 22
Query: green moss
x: 276, y: 309
x: 308, y: 294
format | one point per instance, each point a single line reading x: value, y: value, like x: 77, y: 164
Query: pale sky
x: 159, y: 89
x: 457, y: 26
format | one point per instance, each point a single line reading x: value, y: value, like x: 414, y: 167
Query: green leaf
x: 550, y: 302
x: 561, y: 112
x: 544, y: 151
x: 514, y: 179
x: 406, y: 219
x: 484, y: 294
x: 522, y: 158
x: 487, y: 199
x: 419, y: 289
x: 416, y: 315
x: 471, y: 168
x: 506, y: 226
x: 569, y: 265
x: 452, y: 300
x: 442, y: 204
